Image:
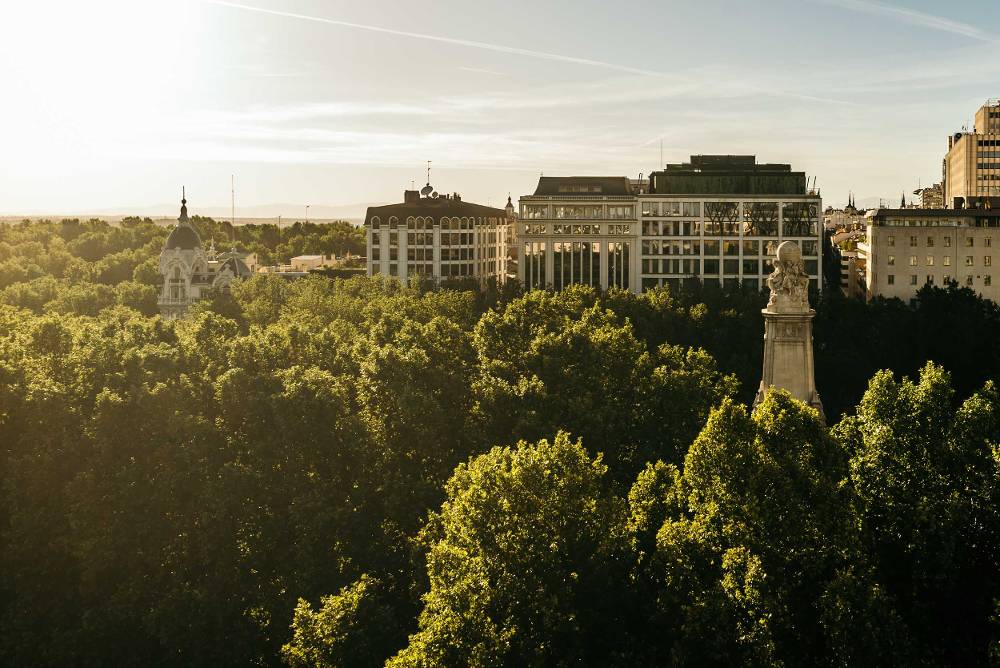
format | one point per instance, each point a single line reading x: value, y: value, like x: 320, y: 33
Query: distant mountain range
x: 244, y: 214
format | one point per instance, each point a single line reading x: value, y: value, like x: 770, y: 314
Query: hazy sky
x: 109, y: 104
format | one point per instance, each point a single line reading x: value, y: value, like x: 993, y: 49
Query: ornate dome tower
x: 183, y: 265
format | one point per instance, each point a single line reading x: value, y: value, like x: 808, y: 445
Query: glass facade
x: 533, y: 264
x: 618, y: 264
x: 576, y: 262
x: 661, y: 241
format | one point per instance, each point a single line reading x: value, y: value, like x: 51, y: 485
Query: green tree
x: 760, y: 551
x: 928, y: 484
x: 560, y: 361
x: 528, y: 564
x: 340, y: 632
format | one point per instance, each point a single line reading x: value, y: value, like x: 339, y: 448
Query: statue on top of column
x: 789, y: 282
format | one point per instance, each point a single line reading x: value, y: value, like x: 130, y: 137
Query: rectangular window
x: 968, y: 280
x: 947, y: 279
x: 988, y: 261
x: 947, y: 242
x: 621, y: 212
x: 930, y: 280
x: 913, y: 279
x: 968, y: 260
x: 987, y: 280
x: 913, y: 260
x: 946, y: 261
x: 988, y: 242
x: 913, y: 241
x: 968, y: 242
x: 891, y: 240
x: 891, y: 279
x: 930, y: 260
x: 892, y: 261
x: 930, y: 242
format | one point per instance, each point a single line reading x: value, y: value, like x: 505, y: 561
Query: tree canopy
x: 354, y: 472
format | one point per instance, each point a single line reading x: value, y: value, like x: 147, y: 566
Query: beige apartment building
x: 906, y: 249
x: 439, y: 237
x: 972, y: 165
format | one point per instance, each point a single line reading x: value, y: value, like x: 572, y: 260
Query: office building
x: 716, y: 218
x: 906, y: 249
x: 438, y: 237
x: 972, y: 165
x: 579, y: 230
x: 931, y: 197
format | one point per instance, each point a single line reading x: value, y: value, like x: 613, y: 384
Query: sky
x: 113, y: 105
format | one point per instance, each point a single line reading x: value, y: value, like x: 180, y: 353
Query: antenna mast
x: 232, y: 212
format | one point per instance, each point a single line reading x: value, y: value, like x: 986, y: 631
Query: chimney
x: 456, y: 197
x: 411, y: 196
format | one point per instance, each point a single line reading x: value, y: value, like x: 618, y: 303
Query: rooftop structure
x: 603, y: 186
x: 727, y: 175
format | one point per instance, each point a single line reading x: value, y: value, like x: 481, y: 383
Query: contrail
x: 913, y: 17
x: 446, y: 40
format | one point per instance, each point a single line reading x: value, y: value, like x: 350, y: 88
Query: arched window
x: 376, y: 222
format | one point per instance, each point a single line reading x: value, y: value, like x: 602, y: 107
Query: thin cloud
x: 499, y: 48
x: 913, y: 17
x: 480, y: 70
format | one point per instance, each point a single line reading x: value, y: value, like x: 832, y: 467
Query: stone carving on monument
x: 788, y: 343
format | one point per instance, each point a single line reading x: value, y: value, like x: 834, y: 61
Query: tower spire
x: 184, y: 209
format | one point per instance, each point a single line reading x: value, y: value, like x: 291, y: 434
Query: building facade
x: 931, y: 197
x: 972, y: 165
x: 190, y: 272
x: 438, y: 237
x: 579, y: 230
x: 906, y: 249
x: 716, y: 218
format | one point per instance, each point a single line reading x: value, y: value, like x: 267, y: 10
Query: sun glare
x: 81, y: 76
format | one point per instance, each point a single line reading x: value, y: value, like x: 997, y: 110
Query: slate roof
x: 435, y: 208
x: 583, y: 186
x: 184, y: 237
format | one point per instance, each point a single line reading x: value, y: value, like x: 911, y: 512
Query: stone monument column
x: 788, y: 341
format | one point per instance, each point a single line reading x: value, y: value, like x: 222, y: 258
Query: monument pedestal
x: 788, y: 341
x: 788, y: 356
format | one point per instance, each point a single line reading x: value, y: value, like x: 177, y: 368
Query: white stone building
x: 191, y: 273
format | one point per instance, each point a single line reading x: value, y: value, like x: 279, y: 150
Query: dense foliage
x: 352, y: 472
